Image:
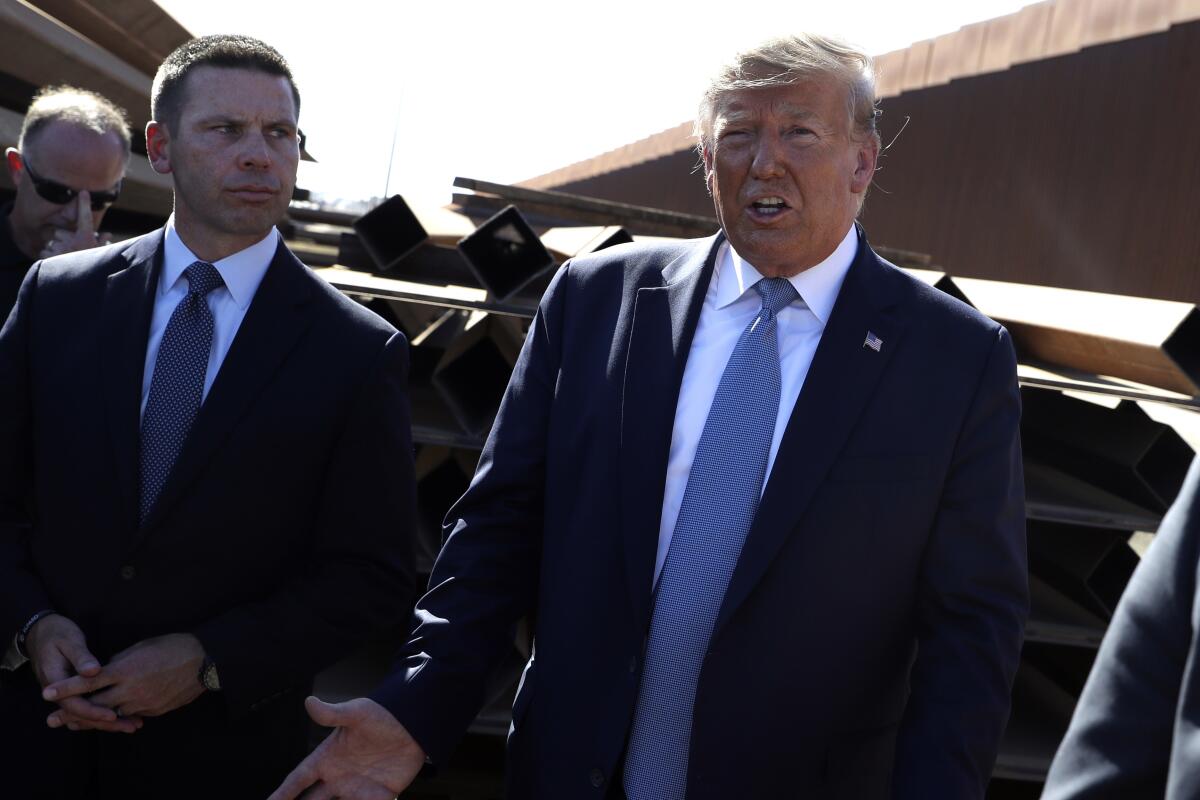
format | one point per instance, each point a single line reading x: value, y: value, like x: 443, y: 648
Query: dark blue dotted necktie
x: 719, y: 504
x: 178, y: 383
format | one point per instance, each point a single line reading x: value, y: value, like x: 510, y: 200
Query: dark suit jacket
x: 893, y: 520
x: 1134, y: 733
x: 13, y: 265
x: 280, y: 538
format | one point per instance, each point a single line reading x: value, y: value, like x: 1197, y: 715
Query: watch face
x: 211, y: 681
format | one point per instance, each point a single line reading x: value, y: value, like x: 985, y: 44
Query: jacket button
x: 128, y: 573
x: 632, y: 664
x: 597, y: 778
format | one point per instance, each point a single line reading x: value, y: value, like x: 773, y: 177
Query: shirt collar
x: 242, y: 272
x: 818, y: 286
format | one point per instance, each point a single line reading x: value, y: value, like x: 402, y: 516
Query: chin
x: 251, y: 221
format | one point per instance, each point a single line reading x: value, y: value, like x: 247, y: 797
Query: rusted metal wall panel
x: 1071, y: 171
x: 1075, y: 171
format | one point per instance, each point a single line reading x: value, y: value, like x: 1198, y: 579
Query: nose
x: 256, y: 154
x: 768, y: 156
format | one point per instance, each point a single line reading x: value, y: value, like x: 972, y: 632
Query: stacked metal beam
x: 1100, y: 471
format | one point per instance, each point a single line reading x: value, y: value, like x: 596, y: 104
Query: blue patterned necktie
x: 719, y: 503
x: 178, y: 383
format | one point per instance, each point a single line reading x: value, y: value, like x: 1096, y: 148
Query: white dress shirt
x: 242, y: 272
x: 729, y: 305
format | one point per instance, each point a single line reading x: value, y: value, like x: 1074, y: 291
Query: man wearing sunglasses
x: 67, y: 169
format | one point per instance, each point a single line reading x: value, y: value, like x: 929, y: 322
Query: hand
x: 368, y: 757
x: 58, y: 649
x: 148, y: 679
x: 82, y: 237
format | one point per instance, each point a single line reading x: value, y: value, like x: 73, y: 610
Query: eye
x: 800, y: 130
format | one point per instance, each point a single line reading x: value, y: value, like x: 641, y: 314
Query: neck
x: 210, y: 247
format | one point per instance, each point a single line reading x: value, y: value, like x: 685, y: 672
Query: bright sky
x: 506, y: 90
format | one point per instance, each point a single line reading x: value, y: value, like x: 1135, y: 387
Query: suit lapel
x: 664, y: 322
x: 272, y: 326
x: 124, y: 327
x: 839, y: 383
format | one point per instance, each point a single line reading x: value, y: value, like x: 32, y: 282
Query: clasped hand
x: 149, y: 679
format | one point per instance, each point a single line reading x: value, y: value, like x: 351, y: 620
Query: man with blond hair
x: 67, y: 169
x: 759, y: 494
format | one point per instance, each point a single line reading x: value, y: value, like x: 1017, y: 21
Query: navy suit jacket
x: 891, y: 528
x: 1136, y: 728
x: 281, y: 538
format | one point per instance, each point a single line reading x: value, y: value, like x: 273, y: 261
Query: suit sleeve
x: 358, y: 580
x: 21, y: 591
x: 973, y: 600
x: 485, y: 578
x: 1119, y: 743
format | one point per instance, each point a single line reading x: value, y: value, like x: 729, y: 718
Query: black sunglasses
x: 57, y: 193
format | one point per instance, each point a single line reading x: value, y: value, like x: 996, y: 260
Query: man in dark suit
x: 759, y: 494
x: 211, y: 447
x: 1134, y: 733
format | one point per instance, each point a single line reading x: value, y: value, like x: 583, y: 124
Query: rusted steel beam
x: 1155, y: 342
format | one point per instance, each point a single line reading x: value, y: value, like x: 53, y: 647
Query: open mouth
x: 768, y: 207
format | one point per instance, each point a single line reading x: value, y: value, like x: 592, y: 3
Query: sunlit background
x: 508, y: 91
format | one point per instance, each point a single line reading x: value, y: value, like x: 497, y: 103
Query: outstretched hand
x: 370, y: 756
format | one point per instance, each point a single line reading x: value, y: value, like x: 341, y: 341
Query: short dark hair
x: 220, y: 50
x: 73, y: 106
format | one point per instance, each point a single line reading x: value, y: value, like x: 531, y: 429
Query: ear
x: 158, y: 147
x: 864, y: 169
x: 12, y: 158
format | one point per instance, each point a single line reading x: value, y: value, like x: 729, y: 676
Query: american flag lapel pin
x: 873, y: 341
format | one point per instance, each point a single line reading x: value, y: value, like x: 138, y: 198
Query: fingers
x: 78, y: 707
x: 58, y: 650
x: 319, y: 791
x: 53, y: 667
x: 69, y: 693
x: 329, y: 715
x: 115, y: 698
x: 77, y: 685
x: 299, y: 779
x: 62, y: 718
x: 81, y: 658
x: 65, y: 241
x: 84, y: 223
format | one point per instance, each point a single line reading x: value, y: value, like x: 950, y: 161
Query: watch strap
x: 23, y: 634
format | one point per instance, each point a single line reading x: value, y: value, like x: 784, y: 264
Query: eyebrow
x: 736, y: 114
x: 225, y: 119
